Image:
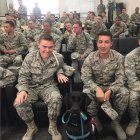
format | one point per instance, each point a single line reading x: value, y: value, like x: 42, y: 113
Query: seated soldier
x: 12, y: 46
x: 36, y: 79
x: 103, y: 77
x: 119, y: 28
x: 134, y: 22
x: 81, y: 45
x: 132, y: 71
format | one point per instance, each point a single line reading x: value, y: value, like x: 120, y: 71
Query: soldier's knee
x: 134, y: 96
x: 56, y: 96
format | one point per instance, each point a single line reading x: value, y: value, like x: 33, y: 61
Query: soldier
x: 103, y: 77
x: 11, y: 10
x: 30, y: 34
x: 97, y: 27
x: 81, y: 44
x: 54, y: 23
x: 36, y: 79
x: 119, y: 28
x: 6, y: 77
x: 64, y: 17
x: 101, y: 7
x: 22, y: 13
x: 132, y: 71
x: 37, y: 11
x: 68, y: 31
x: 125, y: 17
x: 134, y: 20
x: 13, y: 46
x: 54, y: 32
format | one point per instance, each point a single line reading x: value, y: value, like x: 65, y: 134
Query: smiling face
x: 45, y: 48
x: 104, y: 43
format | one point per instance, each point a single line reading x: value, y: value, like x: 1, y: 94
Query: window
x: 44, y: 5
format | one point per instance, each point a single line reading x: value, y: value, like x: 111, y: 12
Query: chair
x: 115, y: 45
x: 126, y: 45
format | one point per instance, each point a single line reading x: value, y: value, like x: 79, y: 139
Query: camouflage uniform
x: 22, y: 11
x: 36, y: 77
x: 15, y: 42
x: 56, y: 37
x: 96, y: 29
x: 125, y: 18
x: 107, y: 74
x: 115, y: 30
x: 6, y: 77
x: 12, y: 12
x: 134, y: 19
x: 30, y: 36
x: 100, y: 8
x: 81, y: 44
x: 132, y: 70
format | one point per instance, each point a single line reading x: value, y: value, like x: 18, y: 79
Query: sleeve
x: 86, y: 74
x: 119, y: 76
x: 130, y: 71
x: 90, y: 46
x: 23, y: 45
x: 24, y: 75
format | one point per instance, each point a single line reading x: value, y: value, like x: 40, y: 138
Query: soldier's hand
x: 21, y: 97
x: 62, y: 78
x: 107, y: 95
x: 100, y: 94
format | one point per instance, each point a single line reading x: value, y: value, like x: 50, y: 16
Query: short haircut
x: 46, y: 37
x: 11, y: 22
x: 78, y: 22
x: 118, y: 17
x: 48, y: 21
x: 105, y: 33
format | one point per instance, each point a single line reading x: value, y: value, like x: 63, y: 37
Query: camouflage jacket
x: 17, y: 42
x: 135, y: 18
x: 82, y: 43
x: 109, y: 74
x: 35, y: 73
x: 132, y: 69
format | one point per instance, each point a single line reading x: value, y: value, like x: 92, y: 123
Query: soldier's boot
x: 132, y: 126
x: 77, y: 76
x: 31, y: 130
x: 53, y: 130
x: 115, y: 125
x: 98, y: 124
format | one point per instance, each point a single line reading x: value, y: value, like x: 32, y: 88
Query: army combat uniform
x: 132, y: 70
x: 15, y: 42
x: 108, y: 74
x: 36, y: 77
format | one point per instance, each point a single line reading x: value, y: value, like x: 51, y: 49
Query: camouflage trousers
x: 134, y: 104
x: 133, y: 28
x: 6, y: 77
x: 51, y: 97
x: 119, y: 101
x: 11, y: 62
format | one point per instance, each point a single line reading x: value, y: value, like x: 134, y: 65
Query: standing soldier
x: 36, y: 79
x: 103, y: 77
x: 101, y: 7
x: 11, y: 10
x: 22, y: 13
x: 132, y: 70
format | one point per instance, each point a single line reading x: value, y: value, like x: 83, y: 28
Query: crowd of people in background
x: 36, y: 35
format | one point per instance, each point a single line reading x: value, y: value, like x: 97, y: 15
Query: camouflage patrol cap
x: 75, y: 55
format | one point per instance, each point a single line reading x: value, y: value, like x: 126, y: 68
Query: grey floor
x: 15, y: 132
